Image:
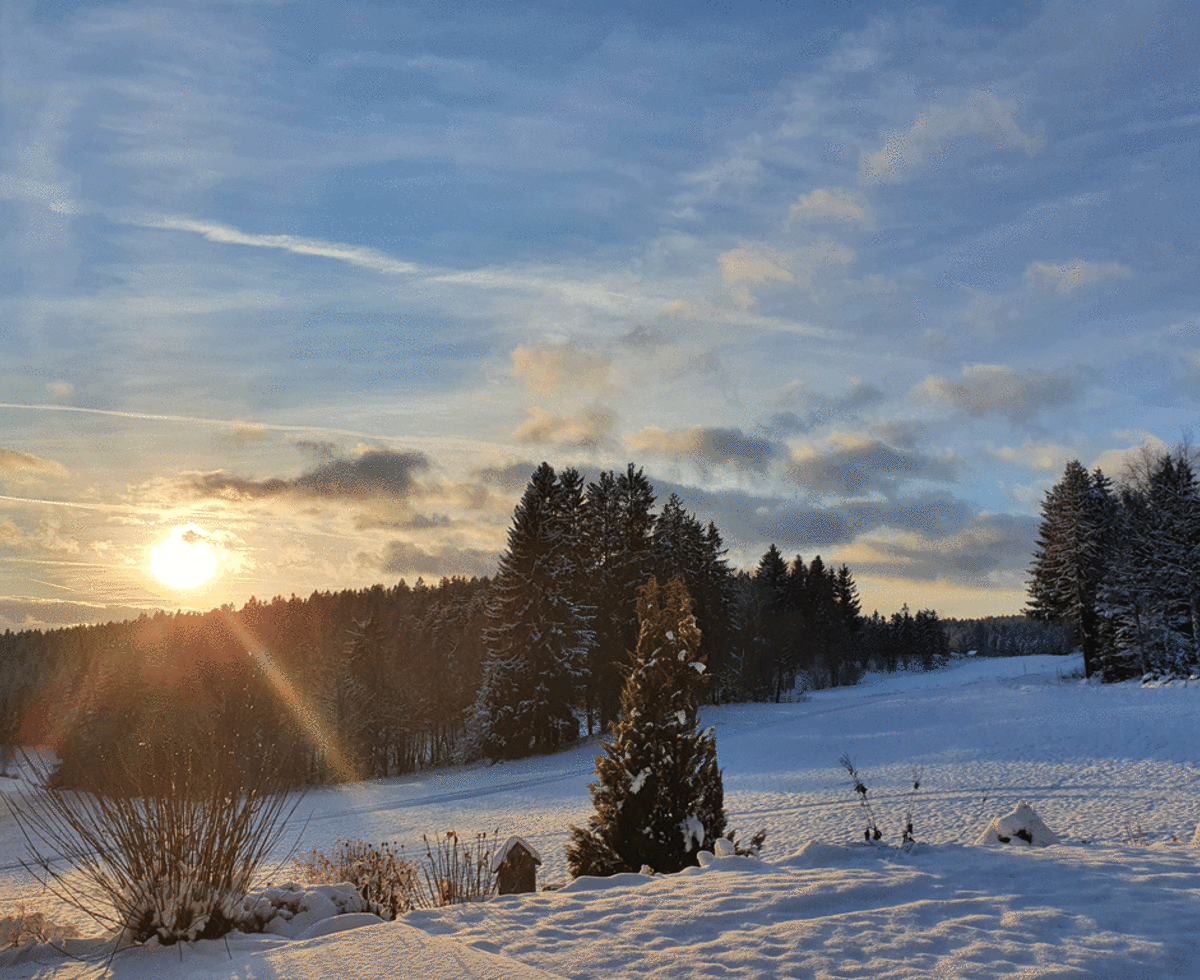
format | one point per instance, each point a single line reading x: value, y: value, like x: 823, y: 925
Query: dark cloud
x: 756, y: 521
x: 376, y: 473
x: 511, y: 477
x: 645, y: 339
x: 708, y: 446
x: 989, y: 543
x: 822, y: 410
x: 933, y: 515
x: 992, y: 389
x: 861, y: 465
x: 796, y: 526
x: 402, y: 558
x: 414, y: 522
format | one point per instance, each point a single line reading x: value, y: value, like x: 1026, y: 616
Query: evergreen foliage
x: 658, y: 796
x: 1122, y: 567
x: 1070, y: 559
x: 618, y: 558
x: 388, y: 680
x: 538, y: 635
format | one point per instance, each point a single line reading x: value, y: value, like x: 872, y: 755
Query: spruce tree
x: 618, y: 558
x: 658, y: 796
x: 1070, y: 560
x: 537, y: 638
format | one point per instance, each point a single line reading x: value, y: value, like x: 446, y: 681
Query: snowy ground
x: 1114, y: 771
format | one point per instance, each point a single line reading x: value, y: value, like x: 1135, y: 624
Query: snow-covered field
x: 1114, y: 771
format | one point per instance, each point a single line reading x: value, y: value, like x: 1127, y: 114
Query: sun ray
x: 318, y: 735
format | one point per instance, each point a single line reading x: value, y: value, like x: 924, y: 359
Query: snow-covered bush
x: 170, y: 851
x: 390, y: 884
x: 385, y: 880
x: 659, y: 797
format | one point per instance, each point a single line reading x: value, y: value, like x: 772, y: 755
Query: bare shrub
x: 452, y: 872
x: 872, y: 831
x: 386, y: 881
x: 456, y: 872
x: 169, y: 850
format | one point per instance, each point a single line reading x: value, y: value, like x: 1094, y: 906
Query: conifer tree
x: 776, y: 636
x: 658, y: 796
x: 537, y: 638
x: 618, y: 557
x: 1070, y: 560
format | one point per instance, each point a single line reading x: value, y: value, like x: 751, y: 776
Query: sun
x: 185, y: 560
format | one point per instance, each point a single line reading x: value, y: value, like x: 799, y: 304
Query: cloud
x: 16, y: 465
x: 761, y: 266
x: 59, y: 389
x: 993, y: 389
x: 989, y: 552
x: 850, y: 464
x: 550, y: 370
x: 402, y: 558
x: 906, y: 153
x: 365, y: 258
x: 374, y: 473
x: 931, y: 515
x: 823, y: 408
x: 1034, y: 455
x: 508, y: 476
x: 246, y: 434
x: 707, y: 447
x: 832, y: 205
x: 755, y: 264
x: 1068, y: 279
x: 11, y: 536
x: 588, y: 429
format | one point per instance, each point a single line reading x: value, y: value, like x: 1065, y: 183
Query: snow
x: 1023, y: 828
x: 1092, y: 761
x: 502, y: 854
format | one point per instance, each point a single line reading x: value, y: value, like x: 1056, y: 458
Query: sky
x: 319, y: 285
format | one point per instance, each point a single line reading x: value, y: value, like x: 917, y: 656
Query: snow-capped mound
x: 1021, y: 826
x: 816, y: 853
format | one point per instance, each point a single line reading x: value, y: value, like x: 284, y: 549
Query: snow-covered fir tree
x: 1073, y: 546
x: 658, y: 797
x: 538, y: 635
x: 1150, y: 596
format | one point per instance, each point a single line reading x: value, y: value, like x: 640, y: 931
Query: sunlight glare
x: 185, y: 560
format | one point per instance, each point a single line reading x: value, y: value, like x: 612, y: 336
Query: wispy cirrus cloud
x: 1068, y: 278
x: 984, y: 116
x: 365, y: 258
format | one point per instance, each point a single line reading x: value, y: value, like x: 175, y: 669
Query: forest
x: 1119, y: 563
x: 388, y: 680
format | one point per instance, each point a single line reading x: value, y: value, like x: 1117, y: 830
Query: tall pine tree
x: 658, y: 796
x: 1070, y: 560
x: 538, y: 636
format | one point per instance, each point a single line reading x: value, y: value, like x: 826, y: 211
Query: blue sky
x: 325, y: 282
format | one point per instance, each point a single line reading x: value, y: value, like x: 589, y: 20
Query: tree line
x: 383, y: 681
x: 1120, y: 565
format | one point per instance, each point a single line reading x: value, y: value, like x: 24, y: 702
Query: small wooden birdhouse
x: 515, y: 867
